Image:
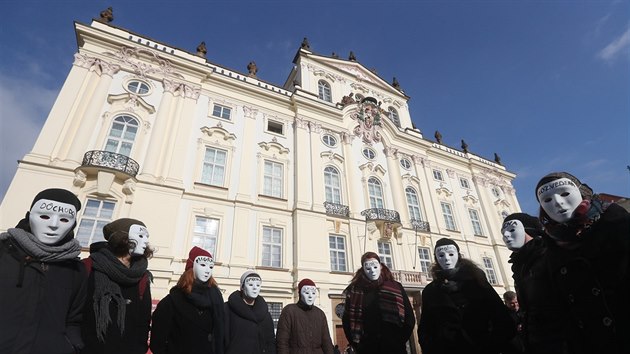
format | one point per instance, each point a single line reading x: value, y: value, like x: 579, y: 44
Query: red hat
x: 194, y: 253
x: 305, y: 282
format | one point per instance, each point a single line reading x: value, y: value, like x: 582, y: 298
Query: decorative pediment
x: 410, y: 179
x: 443, y: 189
x: 502, y: 202
x: 131, y: 103
x: 469, y: 198
x: 219, y: 133
x: 372, y: 167
x: 332, y: 156
x: 274, y: 147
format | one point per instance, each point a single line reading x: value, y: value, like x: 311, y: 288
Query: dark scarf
x: 391, y: 304
x: 40, y: 251
x: 200, y: 295
x: 584, y: 216
x: 110, y: 274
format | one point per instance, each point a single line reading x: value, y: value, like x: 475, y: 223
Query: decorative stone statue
x: 352, y: 57
x: 396, y: 84
x: 497, y: 158
x: 252, y: 69
x: 438, y: 137
x: 346, y: 100
x: 107, y: 15
x: 305, y: 44
x: 201, y: 50
x: 464, y: 147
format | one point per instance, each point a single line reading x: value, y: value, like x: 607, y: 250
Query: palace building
x: 296, y: 180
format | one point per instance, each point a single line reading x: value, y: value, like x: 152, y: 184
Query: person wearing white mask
x: 42, y: 281
x: 378, y: 317
x: 248, y: 323
x: 303, y: 327
x: 117, y: 312
x: 461, y: 312
x: 189, y: 320
x: 589, y: 257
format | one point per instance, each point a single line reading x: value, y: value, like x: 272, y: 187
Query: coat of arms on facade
x: 369, y: 116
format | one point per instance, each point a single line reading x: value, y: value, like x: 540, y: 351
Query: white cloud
x: 617, y: 46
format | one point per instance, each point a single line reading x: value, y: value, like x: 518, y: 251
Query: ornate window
x: 393, y: 116
x: 489, y: 268
x: 385, y: 253
x: 368, y: 153
x: 337, y: 245
x: 138, y: 87
x: 272, y: 247
x: 447, y: 213
x: 413, y: 203
x: 332, y: 185
x: 213, y: 172
x: 97, y: 213
x: 324, y: 91
x: 405, y: 163
x: 272, y: 179
x: 375, y: 191
x: 122, y: 135
x: 476, y: 223
x: 437, y: 175
x: 206, y: 234
x: 221, y: 111
x: 329, y: 140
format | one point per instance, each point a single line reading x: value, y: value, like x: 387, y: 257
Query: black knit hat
x: 58, y: 195
x: 445, y: 242
x: 585, y: 190
x: 531, y: 224
x: 120, y: 225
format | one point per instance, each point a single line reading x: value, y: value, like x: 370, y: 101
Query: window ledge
x: 337, y: 272
x: 273, y: 198
x: 273, y: 268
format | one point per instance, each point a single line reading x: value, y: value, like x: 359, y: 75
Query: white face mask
x: 447, y: 256
x: 559, y: 199
x: 251, y: 287
x: 372, y: 268
x: 308, y: 294
x: 51, y: 221
x: 139, y: 236
x: 202, y: 268
x: 513, y: 233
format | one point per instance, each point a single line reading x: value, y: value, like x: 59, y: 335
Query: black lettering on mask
x: 56, y: 208
x: 555, y: 184
x: 509, y: 223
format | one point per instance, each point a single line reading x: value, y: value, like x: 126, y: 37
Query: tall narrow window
x: 272, y: 247
x: 97, y: 213
x: 324, y: 91
x: 337, y: 245
x: 122, y: 135
x: 413, y: 204
x: 206, y: 234
x: 273, y: 177
x: 214, y: 167
x: 385, y: 253
x: 275, y: 309
x: 332, y: 185
x: 449, y: 220
x: 476, y: 223
x: 489, y: 267
x: 425, y: 261
x: 393, y: 116
x: 376, y: 193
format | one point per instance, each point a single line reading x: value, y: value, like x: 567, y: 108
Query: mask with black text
x: 139, y: 237
x: 51, y: 221
x: 372, y: 268
x: 203, y: 266
x: 559, y: 199
x: 251, y: 287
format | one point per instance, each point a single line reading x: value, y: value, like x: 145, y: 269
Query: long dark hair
x: 360, y: 278
x: 120, y: 245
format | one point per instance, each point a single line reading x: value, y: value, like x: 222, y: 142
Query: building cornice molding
x: 97, y: 65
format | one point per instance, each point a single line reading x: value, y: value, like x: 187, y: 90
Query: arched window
x: 393, y: 116
x: 413, y: 203
x: 332, y: 185
x: 122, y: 135
x: 324, y: 91
x: 375, y: 190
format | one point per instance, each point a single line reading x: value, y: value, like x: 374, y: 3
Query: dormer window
x: 393, y: 116
x: 324, y: 91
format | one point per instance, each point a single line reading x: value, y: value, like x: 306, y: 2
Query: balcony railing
x: 420, y: 225
x: 337, y: 209
x: 110, y: 160
x: 410, y: 279
x: 378, y: 214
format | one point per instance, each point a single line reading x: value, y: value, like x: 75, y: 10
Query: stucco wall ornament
x: 369, y: 117
x: 97, y: 65
x: 181, y: 89
x: 132, y: 57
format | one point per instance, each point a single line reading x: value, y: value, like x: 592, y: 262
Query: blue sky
x: 545, y: 84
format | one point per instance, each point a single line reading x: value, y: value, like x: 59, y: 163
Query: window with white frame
x: 476, y: 223
x: 275, y: 309
x: 213, y: 172
x: 206, y: 234
x: 332, y: 185
x: 329, y: 140
x: 375, y: 192
x: 272, y: 179
x: 97, y: 213
x: 413, y: 203
x: 425, y: 261
x: 324, y: 91
x: 272, y: 247
x: 489, y: 268
x: 405, y: 163
x: 385, y: 253
x: 463, y: 182
x: 393, y: 116
x: 275, y: 127
x: 368, y: 153
x: 122, y: 135
x: 337, y: 245
x: 138, y: 87
x: 449, y: 220
x: 496, y: 192
x: 221, y: 111
x: 437, y: 175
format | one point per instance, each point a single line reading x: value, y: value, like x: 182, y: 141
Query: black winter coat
x: 593, y: 282
x: 134, y: 340
x: 180, y: 327
x: 248, y: 329
x: 463, y: 315
x: 43, y: 315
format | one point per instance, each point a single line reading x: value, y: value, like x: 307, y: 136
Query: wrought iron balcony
x: 337, y: 209
x: 420, y: 225
x: 112, y: 161
x: 378, y: 214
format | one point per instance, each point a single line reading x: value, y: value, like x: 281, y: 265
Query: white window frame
x: 206, y: 234
x: 273, y: 182
x: 368, y: 153
x: 100, y: 217
x: 449, y: 216
x: 224, y: 112
x: 324, y: 92
x: 405, y: 163
x: 329, y: 140
x: 413, y: 206
x: 216, y: 178
x: 139, y: 87
x: 490, y: 272
x: 271, y: 123
x: 271, y: 250
x: 475, y: 222
x: 330, y: 174
x: 338, y: 255
x: 438, y: 176
x: 393, y: 115
x: 123, y: 140
x: 463, y: 182
x: 385, y: 253
x: 424, y: 253
x: 375, y: 193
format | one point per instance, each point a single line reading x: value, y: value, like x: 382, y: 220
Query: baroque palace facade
x: 294, y: 181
